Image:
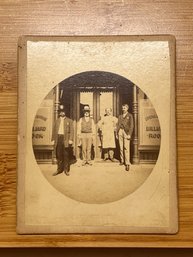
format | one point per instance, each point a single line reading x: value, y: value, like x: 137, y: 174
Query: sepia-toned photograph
x: 97, y: 135
x: 99, y: 129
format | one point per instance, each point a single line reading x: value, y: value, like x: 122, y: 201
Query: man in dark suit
x: 63, y: 139
x: 124, y: 133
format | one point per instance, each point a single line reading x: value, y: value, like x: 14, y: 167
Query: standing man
x: 107, y: 126
x: 124, y: 132
x: 63, y: 139
x: 86, y: 132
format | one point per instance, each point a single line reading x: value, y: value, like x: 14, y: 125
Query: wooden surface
x: 90, y: 252
x: 102, y: 17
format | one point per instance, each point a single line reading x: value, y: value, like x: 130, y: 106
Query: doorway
x: 98, y: 90
x: 98, y: 101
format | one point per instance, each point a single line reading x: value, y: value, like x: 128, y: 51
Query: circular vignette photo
x: 96, y: 137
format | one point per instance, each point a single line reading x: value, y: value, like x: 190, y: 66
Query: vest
x: 86, y: 127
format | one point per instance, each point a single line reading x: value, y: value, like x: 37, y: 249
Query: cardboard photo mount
x: 82, y: 202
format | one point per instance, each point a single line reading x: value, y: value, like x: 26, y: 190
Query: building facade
x: 99, y: 90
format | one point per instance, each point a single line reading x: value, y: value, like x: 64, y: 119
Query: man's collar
x: 125, y: 114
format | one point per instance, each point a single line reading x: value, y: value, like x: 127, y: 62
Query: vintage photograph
x: 97, y: 135
x: 97, y: 125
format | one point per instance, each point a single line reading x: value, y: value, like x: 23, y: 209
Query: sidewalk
x: 102, y: 182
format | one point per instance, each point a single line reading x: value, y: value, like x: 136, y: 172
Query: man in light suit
x: 124, y: 133
x: 63, y: 139
x: 86, y: 132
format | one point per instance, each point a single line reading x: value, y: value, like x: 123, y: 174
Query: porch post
x: 135, y: 132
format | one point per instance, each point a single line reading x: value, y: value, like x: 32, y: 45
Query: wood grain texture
x: 102, y: 17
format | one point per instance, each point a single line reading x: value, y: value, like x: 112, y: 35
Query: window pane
x: 86, y: 98
x: 106, y: 101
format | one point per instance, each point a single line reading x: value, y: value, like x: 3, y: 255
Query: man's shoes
x: 87, y: 162
x: 105, y: 159
x: 67, y: 172
x: 112, y: 159
x: 127, y: 167
x: 56, y: 173
x: 121, y: 163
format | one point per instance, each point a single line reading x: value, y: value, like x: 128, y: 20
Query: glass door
x: 106, y: 101
x: 98, y: 101
x: 86, y: 99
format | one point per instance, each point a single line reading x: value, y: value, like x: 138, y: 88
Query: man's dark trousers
x: 62, y: 155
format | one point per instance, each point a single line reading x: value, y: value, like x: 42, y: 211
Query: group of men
x: 109, y: 128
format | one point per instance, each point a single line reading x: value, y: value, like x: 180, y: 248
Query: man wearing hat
x: 86, y: 131
x: 63, y: 139
x: 107, y: 128
x: 124, y: 133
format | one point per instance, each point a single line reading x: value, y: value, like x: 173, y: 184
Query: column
x: 57, y: 103
x: 95, y: 117
x: 135, y: 132
x: 76, y: 117
x: 56, y: 108
x: 114, y: 101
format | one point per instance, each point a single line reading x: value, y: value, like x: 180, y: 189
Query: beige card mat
x: 97, y: 136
